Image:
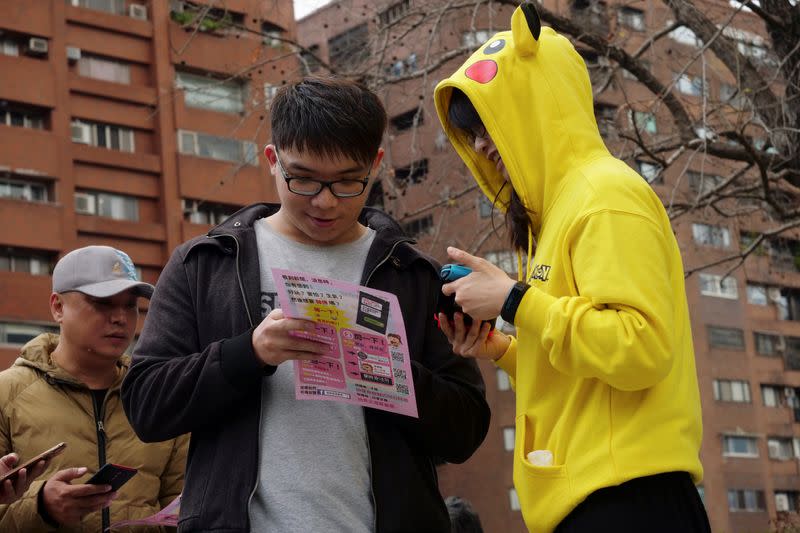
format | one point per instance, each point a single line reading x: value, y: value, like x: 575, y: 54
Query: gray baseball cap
x: 99, y: 271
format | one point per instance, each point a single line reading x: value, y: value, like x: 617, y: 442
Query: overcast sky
x: 304, y: 7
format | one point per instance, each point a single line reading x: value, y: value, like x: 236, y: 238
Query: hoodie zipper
x: 369, y: 447
x: 99, y: 415
x: 250, y: 319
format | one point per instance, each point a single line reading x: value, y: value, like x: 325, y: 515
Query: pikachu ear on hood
x: 526, y: 27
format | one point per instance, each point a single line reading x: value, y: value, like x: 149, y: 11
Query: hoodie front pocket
x: 544, y: 491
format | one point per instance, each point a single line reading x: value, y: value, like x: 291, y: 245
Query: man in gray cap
x: 66, y: 388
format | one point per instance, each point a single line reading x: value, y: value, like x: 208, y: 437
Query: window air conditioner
x: 780, y: 345
x: 774, y: 294
x: 73, y: 54
x: 137, y: 11
x: 781, y: 502
x: 85, y: 204
x: 81, y: 133
x: 37, y: 46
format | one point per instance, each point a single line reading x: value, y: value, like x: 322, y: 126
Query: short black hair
x: 328, y: 116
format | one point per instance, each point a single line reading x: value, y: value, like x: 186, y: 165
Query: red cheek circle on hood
x: 483, y: 71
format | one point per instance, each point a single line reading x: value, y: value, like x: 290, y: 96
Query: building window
x: 606, y: 117
x: 221, y: 148
x: 485, y: 206
x: 708, y: 235
x: 272, y: 35
x: 15, y: 260
x: 780, y: 448
x: 779, y: 396
x: 685, y: 36
x: 18, y: 334
x: 731, y: 95
x: 786, y: 501
x: 731, y: 338
x: 103, y: 135
x: 350, y: 47
x: 19, y: 189
x: 310, y: 58
x: 513, y: 499
x: 768, y: 343
x: 631, y: 18
x: 269, y: 93
x: 104, y: 69
x: 508, y: 438
x: 8, y: 46
x: 791, y: 348
x: 739, y: 446
x: 413, y: 173
x: 505, y: 260
x: 746, y: 500
x: 204, y: 92
x: 394, y: 12
x: 409, y: 119
x: 731, y: 391
x: 785, y: 254
x: 104, y: 204
x: 216, y: 20
x: 703, y: 183
x: 719, y: 287
x: 418, y: 226
x: 788, y: 302
x: 202, y: 212
x: 503, y: 380
x: 701, y: 491
x: 643, y: 121
x: 22, y: 116
x: 756, y: 294
x: 691, y: 85
x: 590, y: 14
x: 475, y: 38
x: 115, y: 7
x: 651, y: 172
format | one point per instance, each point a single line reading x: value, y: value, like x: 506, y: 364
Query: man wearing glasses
x: 210, y: 359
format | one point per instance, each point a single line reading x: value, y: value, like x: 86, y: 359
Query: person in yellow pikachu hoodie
x: 608, y: 422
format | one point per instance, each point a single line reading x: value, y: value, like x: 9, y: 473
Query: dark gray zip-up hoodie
x: 194, y: 370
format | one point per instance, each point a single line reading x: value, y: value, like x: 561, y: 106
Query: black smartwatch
x: 509, y: 310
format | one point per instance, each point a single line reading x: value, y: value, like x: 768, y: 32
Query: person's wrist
x: 508, y: 311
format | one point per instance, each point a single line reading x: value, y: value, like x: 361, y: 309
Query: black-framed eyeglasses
x: 347, y: 188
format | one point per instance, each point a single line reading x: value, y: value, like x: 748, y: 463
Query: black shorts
x: 663, y: 503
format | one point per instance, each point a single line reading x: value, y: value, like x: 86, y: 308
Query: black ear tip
x: 532, y: 18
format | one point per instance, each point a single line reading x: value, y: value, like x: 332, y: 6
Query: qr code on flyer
x: 399, y: 373
x: 402, y: 389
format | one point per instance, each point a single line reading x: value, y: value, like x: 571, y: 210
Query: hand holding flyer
x: 367, y: 362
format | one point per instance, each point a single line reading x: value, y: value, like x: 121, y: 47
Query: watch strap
x: 509, y: 309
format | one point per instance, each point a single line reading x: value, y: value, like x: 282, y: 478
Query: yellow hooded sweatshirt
x: 603, y: 366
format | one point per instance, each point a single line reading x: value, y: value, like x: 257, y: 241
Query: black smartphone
x: 113, y: 475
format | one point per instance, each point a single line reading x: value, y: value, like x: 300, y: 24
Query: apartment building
x: 132, y: 123
x: 746, y: 323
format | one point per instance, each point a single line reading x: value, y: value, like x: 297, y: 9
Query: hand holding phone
x: 447, y: 304
x: 113, y: 475
x: 44, y: 456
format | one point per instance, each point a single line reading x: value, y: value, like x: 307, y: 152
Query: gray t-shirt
x: 314, y: 464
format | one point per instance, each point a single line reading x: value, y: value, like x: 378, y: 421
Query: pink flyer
x: 367, y: 362
x: 168, y: 516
